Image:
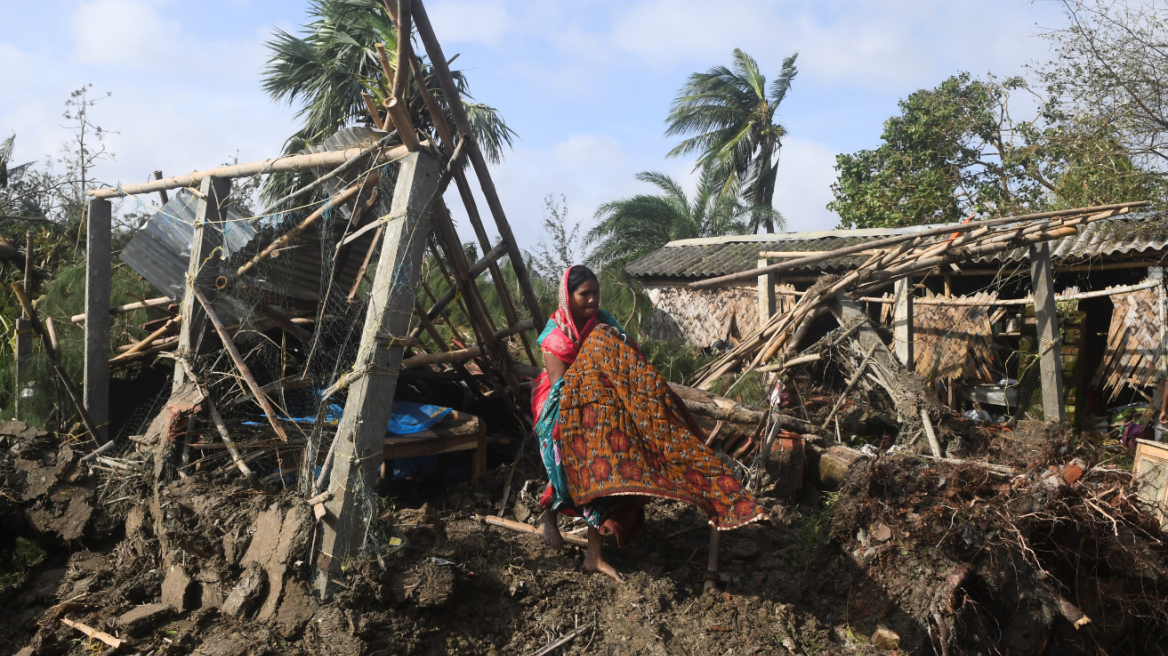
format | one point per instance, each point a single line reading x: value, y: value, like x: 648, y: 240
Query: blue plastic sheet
x: 405, y: 418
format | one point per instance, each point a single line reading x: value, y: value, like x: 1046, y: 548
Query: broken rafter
x: 897, y: 239
x: 289, y: 163
x: 244, y: 372
x: 129, y: 307
x: 336, y: 201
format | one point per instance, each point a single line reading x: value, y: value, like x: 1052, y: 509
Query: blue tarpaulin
x: 405, y: 418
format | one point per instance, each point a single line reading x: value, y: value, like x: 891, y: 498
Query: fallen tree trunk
x: 707, y: 404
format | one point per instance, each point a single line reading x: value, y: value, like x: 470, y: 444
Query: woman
x: 613, y: 435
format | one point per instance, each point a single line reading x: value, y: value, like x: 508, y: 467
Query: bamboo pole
x: 405, y: 127
x: 244, y: 372
x: 129, y: 307
x: 280, y: 319
x: 334, y: 202
x: 275, y: 165
x: 371, y: 107
x: 896, y: 239
x: 220, y: 426
x: 438, y: 118
x: 401, y: 75
x: 475, y: 271
x: 996, y: 302
x: 458, y: 111
x: 55, y: 360
x: 462, y: 355
x: 139, y: 346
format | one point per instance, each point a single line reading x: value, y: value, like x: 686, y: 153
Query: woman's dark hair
x: 579, y: 275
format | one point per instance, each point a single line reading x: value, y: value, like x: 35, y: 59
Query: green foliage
x: 1109, y: 67
x: 956, y: 151
x: 633, y: 227
x: 731, y: 112
x: 14, y: 568
x: 334, y: 61
x: 61, y: 298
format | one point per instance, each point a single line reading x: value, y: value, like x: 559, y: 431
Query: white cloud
x: 803, y: 186
x: 126, y: 34
x: 17, y: 67
x: 133, y: 36
x: 484, y: 22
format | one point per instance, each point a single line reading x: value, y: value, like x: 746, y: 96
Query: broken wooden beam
x: 244, y: 371
x: 462, y: 355
x: 161, y: 301
x: 520, y: 527
x: 275, y: 165
x: 285, y: 323
x: 283, y: 240
x: 707, y: 404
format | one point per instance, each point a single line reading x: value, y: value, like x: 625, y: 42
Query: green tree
x: 956, y: 151
x: 334, y: 61
x: 632, y: 227
x: 1109, y: 65
x: 731, y: 112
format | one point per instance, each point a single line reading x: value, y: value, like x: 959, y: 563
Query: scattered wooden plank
x: 94, y: 633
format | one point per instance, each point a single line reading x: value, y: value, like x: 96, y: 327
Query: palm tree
x: 632, y: 227
x: 732, y: 112
x: 334, y: 61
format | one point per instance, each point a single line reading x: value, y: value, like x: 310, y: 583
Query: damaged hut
x: 968, y: 326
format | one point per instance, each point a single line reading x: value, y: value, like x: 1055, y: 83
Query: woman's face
x: 585, y: 300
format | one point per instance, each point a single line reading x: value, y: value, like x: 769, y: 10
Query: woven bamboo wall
x: 701, y: 316
x: 954, y: 341
x: 1133, y: 343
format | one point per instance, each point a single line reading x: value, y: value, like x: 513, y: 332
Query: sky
x: 586, y: 84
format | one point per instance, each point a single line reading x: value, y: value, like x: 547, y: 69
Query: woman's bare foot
x: 549, y: 530
x: 594, y: 561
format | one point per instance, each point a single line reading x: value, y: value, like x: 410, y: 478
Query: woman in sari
x: 613, y: 435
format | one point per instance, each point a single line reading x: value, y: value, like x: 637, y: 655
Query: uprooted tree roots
x: 1009, y: 558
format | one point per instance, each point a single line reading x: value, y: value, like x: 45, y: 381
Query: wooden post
x: 95, y: 385
x: 205, y: 244
x: 23, y: 338
x: 454, y: 101
x: 360, y: 439
x: 23, y: 332
x: 712, y: 560
x: 161, y: 192
x: 766, y: 295
x: 1157, y: 273
x: 1049, y: 341
x: 902, y: 322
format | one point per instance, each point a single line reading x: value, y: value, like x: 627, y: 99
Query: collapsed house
x: 970, y: 323
x: 241, y: 513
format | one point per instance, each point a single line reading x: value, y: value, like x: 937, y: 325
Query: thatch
x: 1133, y: 343
x: 703, y: 316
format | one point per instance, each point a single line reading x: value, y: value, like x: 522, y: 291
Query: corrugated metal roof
x: 160, y: 250
x: 705, y: 258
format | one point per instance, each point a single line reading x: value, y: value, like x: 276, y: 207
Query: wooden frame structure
x: 418, y: 223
